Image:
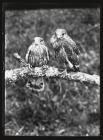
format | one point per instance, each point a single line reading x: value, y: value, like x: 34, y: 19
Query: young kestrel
x: 66, y: 51
x: 37, y: 56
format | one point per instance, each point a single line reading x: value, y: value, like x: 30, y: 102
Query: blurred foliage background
x: 65, y: 108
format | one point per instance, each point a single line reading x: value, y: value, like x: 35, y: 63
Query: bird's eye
x: 63, y: 33
x: 41, y: 40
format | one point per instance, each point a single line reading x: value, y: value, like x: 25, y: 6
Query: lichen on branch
x: 25, y: 72
x: 12, y: 76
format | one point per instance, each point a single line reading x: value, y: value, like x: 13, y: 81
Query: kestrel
x: 66, y: 51
x: 37, y: 56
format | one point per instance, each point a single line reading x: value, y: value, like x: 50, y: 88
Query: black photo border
x: 31, y: 5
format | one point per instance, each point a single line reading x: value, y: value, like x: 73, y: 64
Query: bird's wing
x: 28, y: 51
x: 47, y: 53
x: 73, y: 44
x: 70, y: 53
x: 76, y: 50
x: 33, y: 56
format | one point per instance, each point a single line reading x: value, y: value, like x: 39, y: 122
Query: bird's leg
x: 70, y: 64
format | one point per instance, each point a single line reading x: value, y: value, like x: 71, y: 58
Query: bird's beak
x: 59, y: 38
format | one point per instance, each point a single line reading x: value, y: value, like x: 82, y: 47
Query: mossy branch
x: 24, y: 73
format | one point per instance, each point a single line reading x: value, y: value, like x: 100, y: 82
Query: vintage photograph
x: 52, y: 72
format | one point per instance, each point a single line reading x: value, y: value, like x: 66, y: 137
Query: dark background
x: 71, y: 106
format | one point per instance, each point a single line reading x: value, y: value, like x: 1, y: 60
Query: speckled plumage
x: 66, y: 51
x: 37, y: 56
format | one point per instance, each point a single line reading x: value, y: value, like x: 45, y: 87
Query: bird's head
x: 60, y: 33
x: 39, y: 41
x: 57, y: 36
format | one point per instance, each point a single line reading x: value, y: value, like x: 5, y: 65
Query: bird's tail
x: 36, y: 84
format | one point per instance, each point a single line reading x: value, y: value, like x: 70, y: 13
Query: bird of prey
x: 66, y: 50
x: 37, y: 56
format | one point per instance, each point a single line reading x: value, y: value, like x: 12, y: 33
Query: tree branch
x: 13, y: 76
x: 22, y: 74
x: 94, y: 27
